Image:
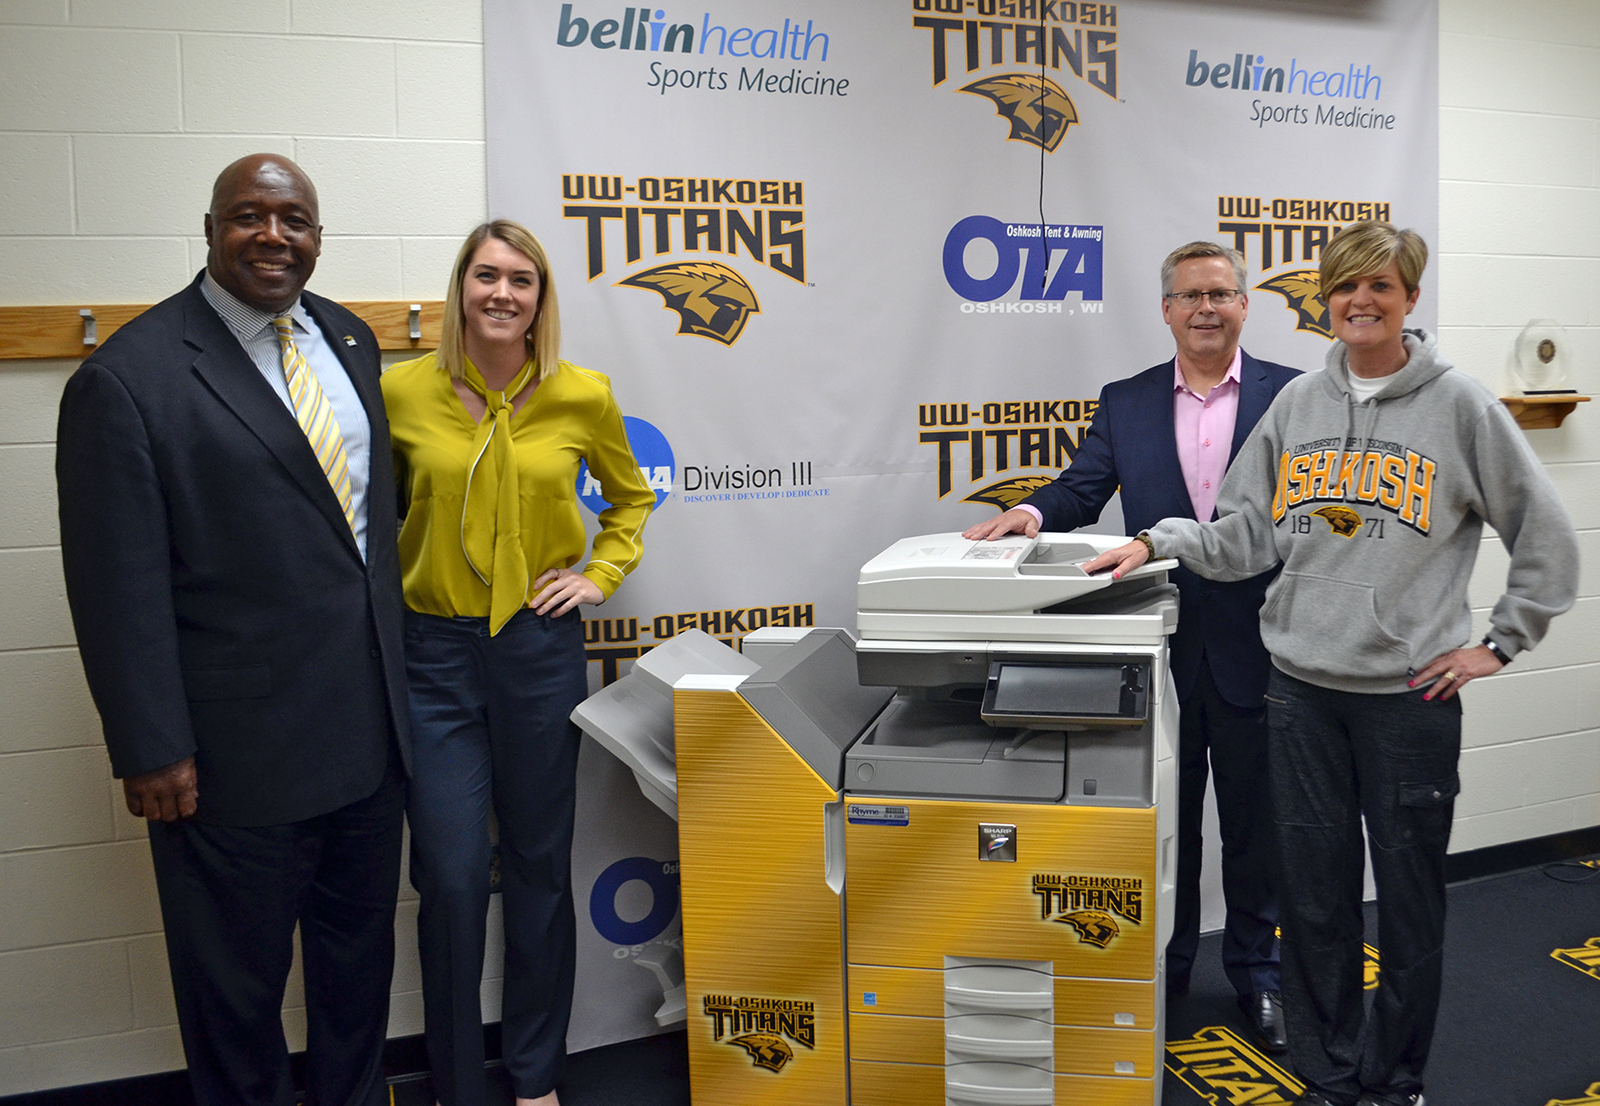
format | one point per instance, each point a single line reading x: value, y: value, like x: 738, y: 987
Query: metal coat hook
x: 415, y: 320
x: 91, y: 336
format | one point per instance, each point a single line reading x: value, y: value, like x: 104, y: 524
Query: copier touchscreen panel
x: 1044, y: 694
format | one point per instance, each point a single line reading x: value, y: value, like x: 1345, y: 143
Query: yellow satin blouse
x: 571, y: 417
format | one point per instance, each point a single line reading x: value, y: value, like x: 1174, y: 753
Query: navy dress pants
x: 1337, y: 758
x: 230, y: 899
x: 490, y: 730
x: 1229, y: 743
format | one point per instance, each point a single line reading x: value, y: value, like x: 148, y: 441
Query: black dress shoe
x: 1263, y: 1010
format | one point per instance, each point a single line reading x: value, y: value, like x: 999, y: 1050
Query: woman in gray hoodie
x: 1370, y: 483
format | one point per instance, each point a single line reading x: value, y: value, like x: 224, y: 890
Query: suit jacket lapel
x: 1162, y: 448
x: 1255, y: 396
x: 366, y: 385
x: 230, y: 374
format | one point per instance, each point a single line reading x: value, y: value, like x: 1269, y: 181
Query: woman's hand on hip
x: 558, y: 590
x: 1455, y: 669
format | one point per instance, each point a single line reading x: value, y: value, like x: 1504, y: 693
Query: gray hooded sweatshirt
x: 1375, y: 511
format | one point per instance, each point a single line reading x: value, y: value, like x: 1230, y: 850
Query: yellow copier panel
x: 929, y: 865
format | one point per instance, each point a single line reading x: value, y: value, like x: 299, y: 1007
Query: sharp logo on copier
x: 759, y: 1026
x: 1087, y: 903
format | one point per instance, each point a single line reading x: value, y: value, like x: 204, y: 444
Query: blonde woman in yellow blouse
x: 488, y: 434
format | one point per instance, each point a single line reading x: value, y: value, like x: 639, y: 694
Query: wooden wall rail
x: 56, y: 331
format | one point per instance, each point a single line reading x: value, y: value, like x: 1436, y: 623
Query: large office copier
x: 931, y: 864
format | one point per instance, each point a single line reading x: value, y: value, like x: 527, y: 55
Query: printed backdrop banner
x: 859, y: 271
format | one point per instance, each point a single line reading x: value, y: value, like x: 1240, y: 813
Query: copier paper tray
x: 925, y: 747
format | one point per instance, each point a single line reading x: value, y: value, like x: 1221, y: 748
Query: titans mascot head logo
x: 1095, y: 927
x: 1006, y: 494
x: 1341, y: 520
x: 1304, y: 292
x: 1039, y: 111
x: 711, y: 300
x: 766, y: 1050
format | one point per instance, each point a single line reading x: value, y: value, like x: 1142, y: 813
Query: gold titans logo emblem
x: 1088, y: 903
x: 1303, y: 292
x: 1341, y: 520
x: 1037, y: 108
x: 711, y: 299
x: 1006, y: 494
x: 760, y: 1026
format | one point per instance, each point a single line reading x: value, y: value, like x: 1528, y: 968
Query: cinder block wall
x: 115, y: 115
x: 1519, y: 230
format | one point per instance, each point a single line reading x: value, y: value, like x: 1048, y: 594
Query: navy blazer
x: 1131, y: 443
x: 221, y: 603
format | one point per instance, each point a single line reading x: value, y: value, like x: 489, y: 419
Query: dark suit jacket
x: 221, y: 603
x: 1131, y: 442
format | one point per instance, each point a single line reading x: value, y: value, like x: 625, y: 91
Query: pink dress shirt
x: 1203, y: 429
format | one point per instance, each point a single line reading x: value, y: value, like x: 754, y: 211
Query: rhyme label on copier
x: 861, y: 814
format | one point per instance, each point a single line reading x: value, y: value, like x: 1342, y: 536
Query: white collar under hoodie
x: 1375, y: 511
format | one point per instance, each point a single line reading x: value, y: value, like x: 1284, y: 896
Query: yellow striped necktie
x: 315, y: 416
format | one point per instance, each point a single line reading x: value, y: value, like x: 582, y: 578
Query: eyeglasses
x: 1219, y: 297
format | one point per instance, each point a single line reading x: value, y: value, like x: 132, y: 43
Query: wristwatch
x: 1499, y: 654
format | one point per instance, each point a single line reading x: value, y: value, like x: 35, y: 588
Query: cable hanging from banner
x: 1044, y: 234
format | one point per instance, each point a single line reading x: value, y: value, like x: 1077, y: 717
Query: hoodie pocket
x: 1321, y: 624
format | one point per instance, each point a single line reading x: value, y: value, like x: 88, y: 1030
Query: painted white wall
x: 116, y: 114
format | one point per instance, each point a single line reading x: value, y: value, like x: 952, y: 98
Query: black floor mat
x: 1519, y: 1023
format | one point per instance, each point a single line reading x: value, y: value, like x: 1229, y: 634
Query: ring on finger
x: 1448, y: 676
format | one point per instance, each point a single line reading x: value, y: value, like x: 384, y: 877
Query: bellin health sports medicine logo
x: 782, y: 60
x: 1345, y: 98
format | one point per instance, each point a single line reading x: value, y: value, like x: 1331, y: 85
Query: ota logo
x: 654, y: 455
x: 1079, y: 271
x: 661, y: 877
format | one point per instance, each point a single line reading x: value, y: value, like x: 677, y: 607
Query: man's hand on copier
x: 1014, y: 521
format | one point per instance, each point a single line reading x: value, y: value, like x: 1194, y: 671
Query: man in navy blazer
x: 1165, y: 437
x: 240, y: 627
